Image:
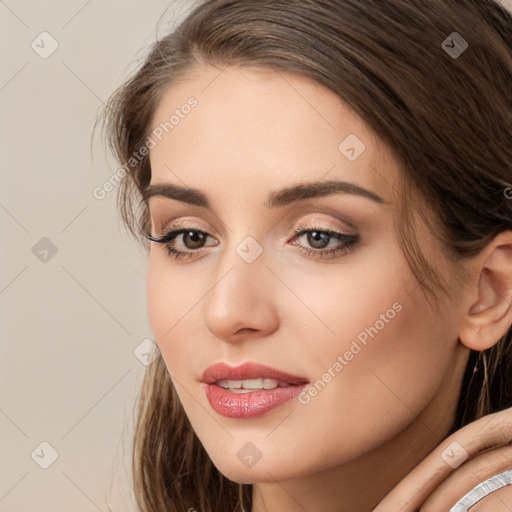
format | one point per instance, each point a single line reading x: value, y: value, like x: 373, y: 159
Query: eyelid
x: 314, y: 213
x: 180, y: 224
x: 320, y: 223
x: 315, y: 221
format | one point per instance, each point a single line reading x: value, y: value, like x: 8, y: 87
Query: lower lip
x: 250, y: 404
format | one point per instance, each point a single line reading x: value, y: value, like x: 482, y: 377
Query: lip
x: 253, y: 403
x: 249, y: 370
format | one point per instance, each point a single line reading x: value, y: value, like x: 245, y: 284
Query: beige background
x: 72, y: 323
x: 69, y: 326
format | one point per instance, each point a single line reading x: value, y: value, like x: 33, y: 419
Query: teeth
x: 252, y: 384
x: 270, y: 383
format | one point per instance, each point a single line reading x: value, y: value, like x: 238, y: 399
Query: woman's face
x: 349, y: 319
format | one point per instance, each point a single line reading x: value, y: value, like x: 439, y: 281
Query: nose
x: 241, y: 302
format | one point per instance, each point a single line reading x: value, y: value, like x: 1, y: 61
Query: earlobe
x: 490, y: 316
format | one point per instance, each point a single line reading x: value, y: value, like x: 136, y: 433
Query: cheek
x: 391, y: 378
x: 354, y: 301
x: 160, y: 297
x: 382, y: 362
x: 170, y: 299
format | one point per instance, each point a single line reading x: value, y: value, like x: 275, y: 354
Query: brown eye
x: 192, y: 239
x: 318, y: 239
x: 197, y: 239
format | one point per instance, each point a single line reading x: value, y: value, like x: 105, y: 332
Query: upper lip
x: 249, y: 370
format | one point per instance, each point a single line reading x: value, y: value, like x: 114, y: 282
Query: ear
x: 489, y: 317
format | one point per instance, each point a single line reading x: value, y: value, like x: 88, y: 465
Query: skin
x: 435, y: 486
x: 253, y: 132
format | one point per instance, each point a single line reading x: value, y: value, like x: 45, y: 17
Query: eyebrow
x: 277, y: 198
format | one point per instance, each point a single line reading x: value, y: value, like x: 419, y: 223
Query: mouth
x: 249, y: 390
x: 252, y: 374
x: 246, y: 385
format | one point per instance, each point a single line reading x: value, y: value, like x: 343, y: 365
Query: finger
x: 467, y: 477
x: 491, y: 431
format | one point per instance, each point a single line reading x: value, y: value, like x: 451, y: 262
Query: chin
x: 266, y: 469
x: 252, y: 475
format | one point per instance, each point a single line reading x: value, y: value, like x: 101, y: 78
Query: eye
x: 317, y: 237
x: 193, y: 239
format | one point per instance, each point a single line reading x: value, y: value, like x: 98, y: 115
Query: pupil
x: 316, y: 237
x: 194, y: 235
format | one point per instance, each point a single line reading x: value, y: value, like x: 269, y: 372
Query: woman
x: 325, y: 186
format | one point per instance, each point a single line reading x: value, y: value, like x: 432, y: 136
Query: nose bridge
x: 240, y: 296
x: 243, y: 250
x: 240, y: 272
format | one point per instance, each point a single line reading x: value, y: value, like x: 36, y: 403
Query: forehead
x: 257, y: 126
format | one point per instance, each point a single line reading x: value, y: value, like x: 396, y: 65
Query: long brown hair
x: 446, y: 117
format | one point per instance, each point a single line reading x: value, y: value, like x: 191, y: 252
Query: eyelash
x: 177, y: 229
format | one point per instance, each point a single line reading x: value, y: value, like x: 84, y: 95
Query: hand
x: 471, y: 455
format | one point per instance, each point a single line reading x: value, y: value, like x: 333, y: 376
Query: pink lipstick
x: 249, y: 390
